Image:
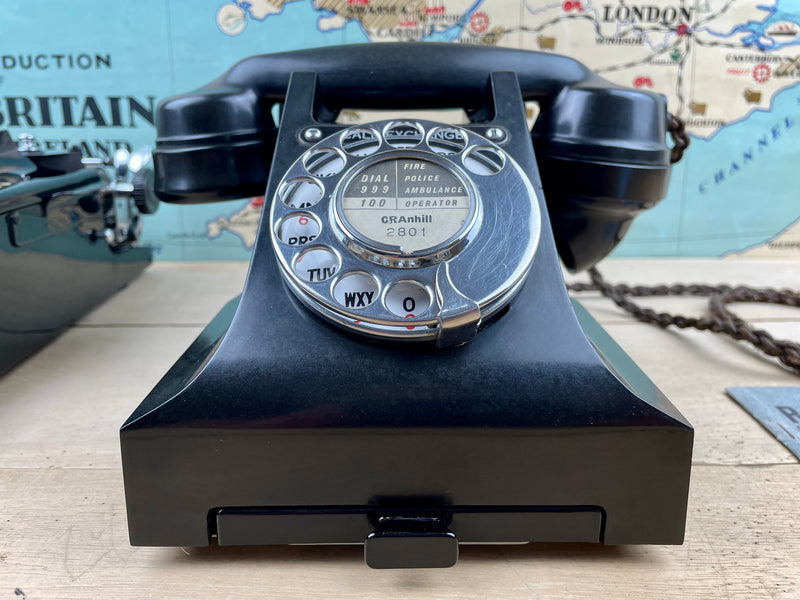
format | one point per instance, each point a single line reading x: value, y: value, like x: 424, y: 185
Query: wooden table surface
x: 63, y: 532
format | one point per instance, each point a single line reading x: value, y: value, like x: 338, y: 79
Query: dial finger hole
x: 324, y: 162
x: 356, y: 290
x: 403, y: 134
x: 361, y: 142
x: 301, y: 193
x: 447, y: 140
x: 407, y: 299
x: 316, y: 264
x: 298, y: 229
x: 484, y: 161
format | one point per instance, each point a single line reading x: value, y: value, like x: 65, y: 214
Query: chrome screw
x: 496, y: 134
x: 312, y: 134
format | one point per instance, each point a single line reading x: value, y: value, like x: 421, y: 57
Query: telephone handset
x: 386, y: 258
x: 274, y: 428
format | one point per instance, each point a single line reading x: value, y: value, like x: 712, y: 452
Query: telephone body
x: 404, y: 368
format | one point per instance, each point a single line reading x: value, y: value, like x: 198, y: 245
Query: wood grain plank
x: 753, y: 273
x: 62, y: 516
x: 63, y: 535
x: 173, y: 293
x: 651, y: 271
x: 191, y: 293
x: 64, y: 406
x: 693, y: 368
x: 608, y: 313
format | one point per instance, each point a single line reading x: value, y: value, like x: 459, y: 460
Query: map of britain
x: 729, y: 69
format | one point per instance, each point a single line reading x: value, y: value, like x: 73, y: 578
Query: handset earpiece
x: 603, y: 158
x: 213, y: 144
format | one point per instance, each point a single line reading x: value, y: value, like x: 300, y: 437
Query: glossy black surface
x: 415, y: 544
x: 52, y: 270
x: 276, y: 427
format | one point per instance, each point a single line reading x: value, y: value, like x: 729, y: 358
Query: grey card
x: 776, y: 408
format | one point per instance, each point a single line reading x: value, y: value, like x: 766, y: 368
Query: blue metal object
x: 776, y: 408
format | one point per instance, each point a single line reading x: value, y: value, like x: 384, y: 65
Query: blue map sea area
x: 760, y: 33
x: 732, y: 191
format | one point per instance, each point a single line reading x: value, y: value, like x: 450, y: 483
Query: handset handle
x: 368, y: 76
x: 217, y: 142
x: 407, y: 75
x: 378, y: 76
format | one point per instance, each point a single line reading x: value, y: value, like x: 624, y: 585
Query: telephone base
x: 598, y: 462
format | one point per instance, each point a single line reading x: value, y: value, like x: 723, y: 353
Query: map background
x: 161, y: 47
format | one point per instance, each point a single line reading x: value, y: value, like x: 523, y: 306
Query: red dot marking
x: 479, y: 22
x: 410, y: 316
x: 761, y: 73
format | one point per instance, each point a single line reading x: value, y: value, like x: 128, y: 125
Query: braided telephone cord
x: 680, y: 139
x: 722, y: 320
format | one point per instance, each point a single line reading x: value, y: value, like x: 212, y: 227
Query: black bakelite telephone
x: 404, y: 368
